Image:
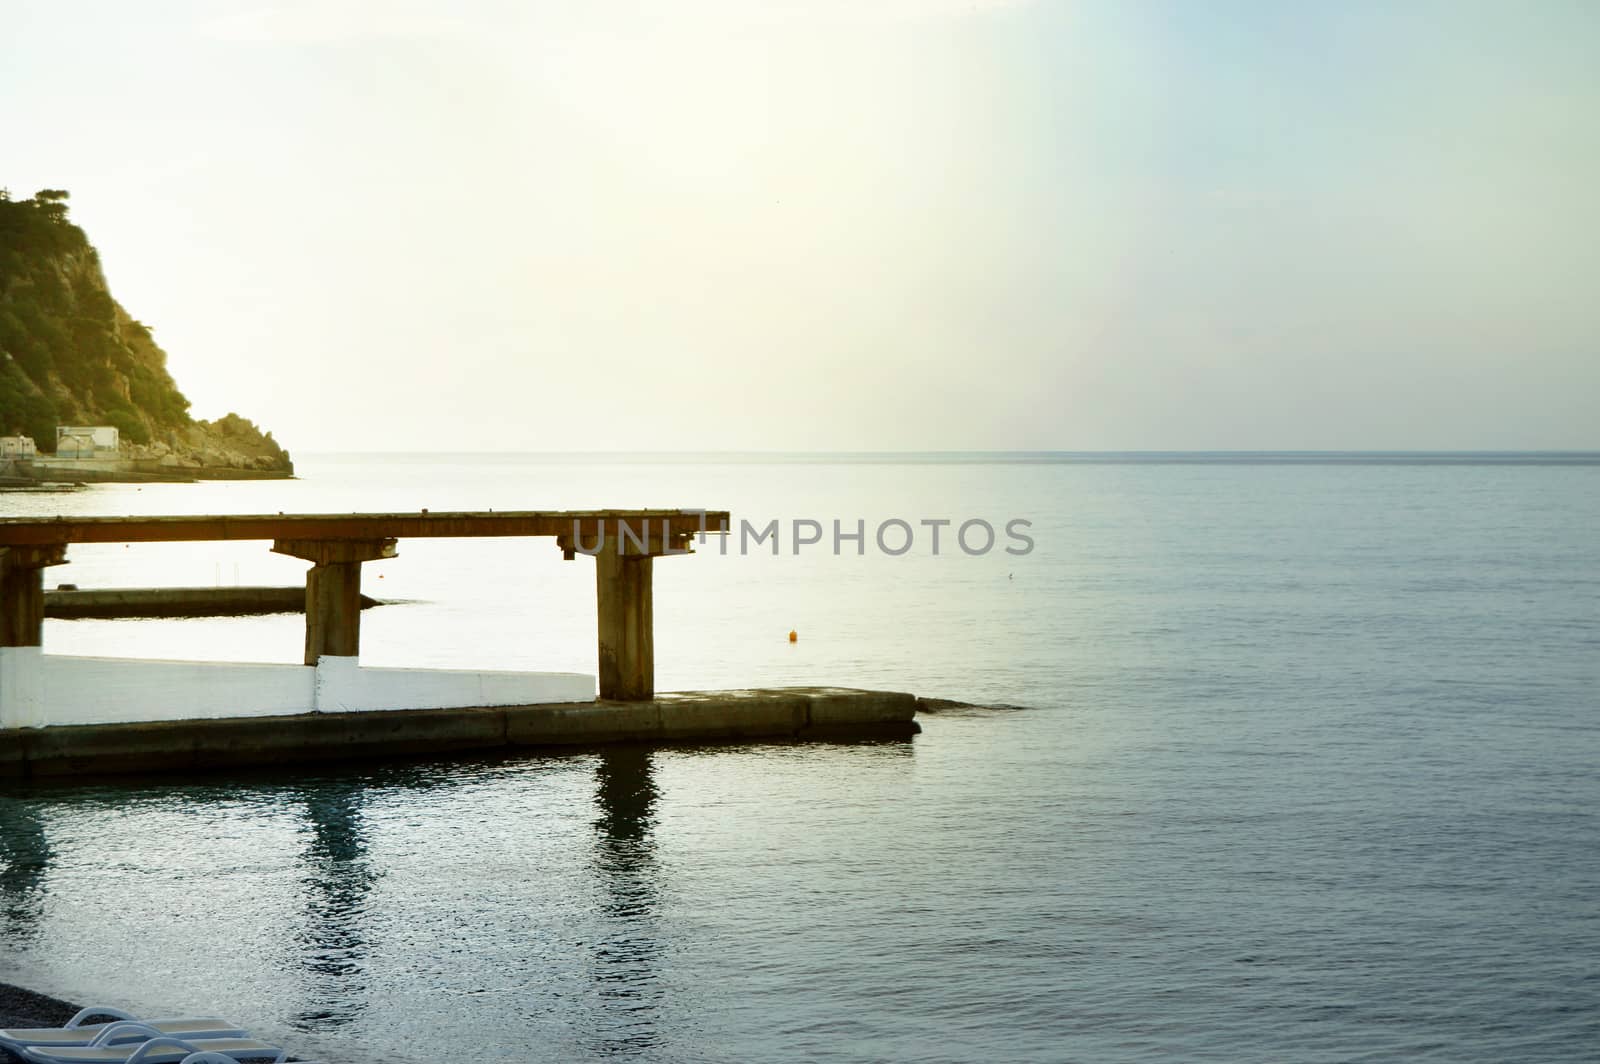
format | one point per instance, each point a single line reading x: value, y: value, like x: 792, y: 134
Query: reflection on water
x: 24, y: 860
x: 332, y: 945
x: 371, y: 905
x: 627, y: 955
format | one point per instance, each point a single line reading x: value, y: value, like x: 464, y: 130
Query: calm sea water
x: 1304, y: 765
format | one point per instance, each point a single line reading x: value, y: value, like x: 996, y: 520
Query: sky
x: 404, y: 225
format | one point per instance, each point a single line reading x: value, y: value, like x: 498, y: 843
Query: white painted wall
x: 343, y: 687
x: 112, y: 690
x: 21, y: 687
x: 105, y: 437
x: 39, y: 689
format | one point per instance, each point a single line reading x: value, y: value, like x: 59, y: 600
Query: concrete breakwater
x: 127, y: 471
x: 178, y: 601
x: 226, y: 742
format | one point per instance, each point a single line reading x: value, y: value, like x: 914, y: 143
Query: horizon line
x: 1506, y: 457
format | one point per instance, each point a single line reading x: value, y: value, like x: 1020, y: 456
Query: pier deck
x: 69, y: 716
x: 64, y: 716
x: 624, y: 544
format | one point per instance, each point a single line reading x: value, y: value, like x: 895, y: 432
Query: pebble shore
x: 24, y: 1008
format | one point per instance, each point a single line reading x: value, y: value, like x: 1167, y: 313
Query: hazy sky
x: 839, y: 224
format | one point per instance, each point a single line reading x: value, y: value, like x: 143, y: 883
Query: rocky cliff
x: 71, y: 355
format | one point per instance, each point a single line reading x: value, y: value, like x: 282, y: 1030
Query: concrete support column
x: 333, y: 591
x: 22, y: 592
x: 627, y: 630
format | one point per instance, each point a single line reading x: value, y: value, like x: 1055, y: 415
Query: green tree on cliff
x: 68, y: 352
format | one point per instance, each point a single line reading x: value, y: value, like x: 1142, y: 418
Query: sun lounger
x: 78, y: 1033
x: 163, y: 1050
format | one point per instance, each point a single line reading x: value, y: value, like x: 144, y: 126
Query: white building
x: 17, y: 447
x: 87, y: 441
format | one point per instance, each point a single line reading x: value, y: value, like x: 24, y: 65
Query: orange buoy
x: 793, y: 635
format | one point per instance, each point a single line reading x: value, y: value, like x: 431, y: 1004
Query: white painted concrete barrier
x: 39, y: 690
x: 343, y: 686
x: 115, y: 690
x: 21, y: 695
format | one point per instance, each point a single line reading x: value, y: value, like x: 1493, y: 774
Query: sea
x: 1259, y: 757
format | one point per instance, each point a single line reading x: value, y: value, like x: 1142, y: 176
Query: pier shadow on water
x: 330, y: 958
x: 25, y: 858
x: 626, y: 956
x: 332, y: 944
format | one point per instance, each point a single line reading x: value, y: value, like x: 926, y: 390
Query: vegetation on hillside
x: 68, y: 353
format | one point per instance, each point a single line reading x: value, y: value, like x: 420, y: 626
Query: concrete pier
x: 624, y: 544
x: 697, y: 716
x: 62, y: 716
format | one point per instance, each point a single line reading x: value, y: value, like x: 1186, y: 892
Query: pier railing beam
x: 22, y: 592
x: 333, y: 591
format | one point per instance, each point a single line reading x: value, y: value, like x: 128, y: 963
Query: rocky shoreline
x: 230, y: 443
x: 29, y: 475
x: 229, y: 448
x: 24, y: 1008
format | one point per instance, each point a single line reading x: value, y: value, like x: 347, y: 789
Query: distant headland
x: 84, y: 390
